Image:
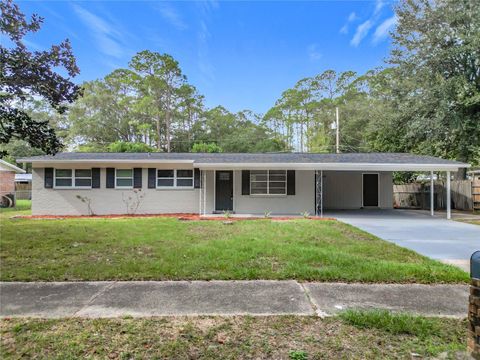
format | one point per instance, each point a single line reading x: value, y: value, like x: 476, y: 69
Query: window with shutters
x: 124, y: 178
x: 178, y: 178
x: 268, y: 182
x: 73, y: 178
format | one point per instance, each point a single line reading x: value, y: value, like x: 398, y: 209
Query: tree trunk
x: 159, y: 133
x: 167, y: 129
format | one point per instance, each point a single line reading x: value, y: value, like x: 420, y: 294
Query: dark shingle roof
x: 238, y: 158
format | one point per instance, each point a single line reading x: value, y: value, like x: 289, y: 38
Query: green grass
x: 21, y: 208
x: 279, y: 337
x: 169, y: 249
x: 395, y: 323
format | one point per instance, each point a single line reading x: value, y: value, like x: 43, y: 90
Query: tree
x: 160, y: 81
x: 435, y: 82
x: 121, y: 146
x: 25, y: 73
x: 202, y: 147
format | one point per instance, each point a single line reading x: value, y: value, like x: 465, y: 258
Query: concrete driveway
x: 438, y: 238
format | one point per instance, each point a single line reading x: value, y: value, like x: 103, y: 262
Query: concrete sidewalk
x: 258, y: 297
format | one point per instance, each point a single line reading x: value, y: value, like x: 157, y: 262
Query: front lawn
x: 170, y: 249
x: 279, y: 337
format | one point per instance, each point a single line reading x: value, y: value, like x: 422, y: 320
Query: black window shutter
x: 110, y: 178
x: 152, y: 177
x: 48, y: 178
x: 290, y: 182
x: 95, y: 178
x: 137, y: 178
x: 245, y: 182
x: 196, y: 178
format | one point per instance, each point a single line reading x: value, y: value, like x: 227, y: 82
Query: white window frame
x: 72, y: 177
x: 175, y: 178
x: 123, y: 177
x: 268, y: 183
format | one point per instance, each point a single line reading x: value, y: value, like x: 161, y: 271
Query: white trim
x: 175, y: 178
x: 215, y: 189
x: 73, y: 177
x: 123, y: 177
x: 268, y: 184
x: 449, y: 197
x: 378, y: 189
x: 331, y: 166
x: 106, y: 161
x: 13, y: 167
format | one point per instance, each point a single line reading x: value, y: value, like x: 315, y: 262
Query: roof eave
x: 333, y: 166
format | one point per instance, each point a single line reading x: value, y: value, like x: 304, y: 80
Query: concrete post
x: 432, y: 187
x: 449, y: 210
x: 200, y: 195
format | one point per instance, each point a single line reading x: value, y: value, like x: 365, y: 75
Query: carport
x: 391, y: 163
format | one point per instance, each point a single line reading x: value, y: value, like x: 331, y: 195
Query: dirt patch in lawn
x: 280, y: 337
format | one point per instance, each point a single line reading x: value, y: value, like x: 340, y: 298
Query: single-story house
x: 7, y: 182
x: 278, y: 183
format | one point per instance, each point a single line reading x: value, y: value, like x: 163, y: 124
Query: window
x: 174, y: 178
x: 71, y: 178
x: 268, y: 182
x: 124, y: 178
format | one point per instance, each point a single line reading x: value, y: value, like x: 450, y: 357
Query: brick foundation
x: 473, y: 341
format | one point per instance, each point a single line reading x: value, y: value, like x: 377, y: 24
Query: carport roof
x: 343, y: 161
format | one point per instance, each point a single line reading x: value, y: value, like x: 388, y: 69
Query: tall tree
x: 24, y: 73
x: 160, y: 81
x: 436, y: 80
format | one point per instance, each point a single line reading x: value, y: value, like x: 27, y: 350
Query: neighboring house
x: 280, y: 183
x: 7, y: 182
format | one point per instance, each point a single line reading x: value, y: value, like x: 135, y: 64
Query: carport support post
x: 432, y: 187
x: 200, y: 195
x: 449, y: 210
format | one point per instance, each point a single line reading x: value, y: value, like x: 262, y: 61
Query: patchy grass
x: 280, y: 337
x: 469, y: 221
x: 169, y: 249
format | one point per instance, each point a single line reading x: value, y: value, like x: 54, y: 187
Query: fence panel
x: 417, y: 195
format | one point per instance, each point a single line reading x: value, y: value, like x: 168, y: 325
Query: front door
x: 370, y: 189
x: 224, y: 190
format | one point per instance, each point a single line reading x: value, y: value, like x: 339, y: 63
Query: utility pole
x: 338, y: 130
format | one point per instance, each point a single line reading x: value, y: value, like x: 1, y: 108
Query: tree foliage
x: 25, y: 73
x: 151, y: 102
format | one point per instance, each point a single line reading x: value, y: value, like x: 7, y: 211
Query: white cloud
x: 381, y: 32
x: 361, y: 32
x: 313, y: 53
x: 108, y: 38
x: 352, y: 17
x: 378, y: 6
x: 171, y: 15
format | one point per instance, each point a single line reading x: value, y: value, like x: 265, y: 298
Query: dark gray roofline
x: 350, y: 161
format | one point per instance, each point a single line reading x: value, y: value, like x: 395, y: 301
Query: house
x: 280, y: 183
x: 7, y: 182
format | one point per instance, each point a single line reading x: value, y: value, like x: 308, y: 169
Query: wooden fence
x: 23, y: 191
x: 417, y: 195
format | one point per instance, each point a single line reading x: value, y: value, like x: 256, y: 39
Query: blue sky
x: 241, y: 55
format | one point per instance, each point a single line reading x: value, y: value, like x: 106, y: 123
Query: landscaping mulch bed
x: 180, y: 216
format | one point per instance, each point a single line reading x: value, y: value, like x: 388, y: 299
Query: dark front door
x: 224, y: 190
x: 370, y: 189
